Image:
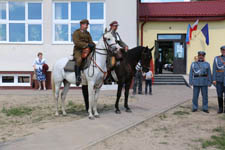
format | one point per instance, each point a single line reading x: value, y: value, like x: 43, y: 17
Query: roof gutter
x: 142, y: 42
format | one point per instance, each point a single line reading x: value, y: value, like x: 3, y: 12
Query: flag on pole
x: 205, y: 32
x: 188, y: 34
x: 194, y: 28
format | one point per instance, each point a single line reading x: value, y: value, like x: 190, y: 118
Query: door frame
x: 182, y: 39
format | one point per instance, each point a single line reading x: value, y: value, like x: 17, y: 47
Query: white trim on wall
x: 15, y: 83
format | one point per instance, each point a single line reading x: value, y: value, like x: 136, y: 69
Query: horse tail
x: 53, y: 84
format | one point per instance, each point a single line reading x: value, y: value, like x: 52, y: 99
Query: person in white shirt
x: 138, y: 79
x: 38, y: 67
x: 148, y: 82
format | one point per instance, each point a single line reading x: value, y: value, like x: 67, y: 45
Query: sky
x: 164, y: 0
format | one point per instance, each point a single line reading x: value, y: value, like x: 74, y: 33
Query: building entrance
x: 170, y: 54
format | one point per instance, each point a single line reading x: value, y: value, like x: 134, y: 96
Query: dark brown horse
x: 126, y: 70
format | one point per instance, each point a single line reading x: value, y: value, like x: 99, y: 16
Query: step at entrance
x: 169, y: 79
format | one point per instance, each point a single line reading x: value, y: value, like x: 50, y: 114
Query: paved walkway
x: 82, y: 133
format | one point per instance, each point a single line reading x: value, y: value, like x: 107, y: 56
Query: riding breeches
x: 77, y: 57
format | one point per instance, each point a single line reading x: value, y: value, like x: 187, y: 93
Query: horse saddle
x: 71, y: 63
x: 70, y: 66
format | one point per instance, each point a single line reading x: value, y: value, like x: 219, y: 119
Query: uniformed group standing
x: 200, y: 78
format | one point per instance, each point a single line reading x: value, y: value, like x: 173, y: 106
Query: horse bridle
x: 107, y: 48
x: 142, y: 65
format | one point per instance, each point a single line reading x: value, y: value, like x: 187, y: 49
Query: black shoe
x: 140, y: 93
x: 220, y: 105
x: 78, y: 81
x: 194, y: 110
x: 150, y: 93
x: 206, y: 111
x: 220, y: 111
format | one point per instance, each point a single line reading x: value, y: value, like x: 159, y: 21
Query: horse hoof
x: 117, y: 112
x: 91, y: 118
x: 128, y: 110
x: 64, y: 114
x: 56, y: 114
x: 97, y: 116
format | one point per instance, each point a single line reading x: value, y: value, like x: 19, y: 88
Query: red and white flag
x: 194, y: 28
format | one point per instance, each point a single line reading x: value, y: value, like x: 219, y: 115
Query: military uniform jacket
x: 81, y: 39
x: 218, y: 69
x: 200, y: 74
x: 118, y: 39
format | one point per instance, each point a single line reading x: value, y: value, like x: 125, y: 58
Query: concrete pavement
x: 82, y: 133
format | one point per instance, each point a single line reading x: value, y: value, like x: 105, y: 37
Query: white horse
x: 94, y: 74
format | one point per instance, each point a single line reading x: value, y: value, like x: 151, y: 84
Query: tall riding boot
x: 77, y: 74
x: 220, y: 104
x: 85, y: 95
x: 223, y: 103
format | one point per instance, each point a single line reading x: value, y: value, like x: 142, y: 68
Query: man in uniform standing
x: 218, y: 78
x: 81, y: 39
x: 200, y: 78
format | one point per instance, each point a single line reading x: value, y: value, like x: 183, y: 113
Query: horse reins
x: 107, y: 46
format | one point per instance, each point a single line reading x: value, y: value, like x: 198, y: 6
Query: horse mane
x: 134, y: 54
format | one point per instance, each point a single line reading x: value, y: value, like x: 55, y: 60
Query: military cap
x: 114, y: 23
x: 201, y: 53
x: 84, y: 21
x: 222, y: 47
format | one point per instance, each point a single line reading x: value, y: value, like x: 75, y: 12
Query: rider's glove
x: 91, y: 45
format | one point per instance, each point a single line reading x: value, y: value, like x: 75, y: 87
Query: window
x: 20, y: 22
x: 67, y: 16
x: 169, y: 37
x: 7, y: 79
x: 15, y: 80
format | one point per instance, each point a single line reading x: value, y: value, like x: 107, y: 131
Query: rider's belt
x: 219, y: 70
x: 202, y: 75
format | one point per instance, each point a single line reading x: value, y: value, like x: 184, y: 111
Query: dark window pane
x: 2, y: 10
x: 17, y: 32
x: 16, y: 11
x: 23, y: 79
x: 78, y: 10
x: 97, y: 10
x: 61, y: 32
x: 2, y: 32
x: 34, y: 10
x: 61, y: 10
x: 34, y: 32
x: 96, y: 31
x: 7, y: 79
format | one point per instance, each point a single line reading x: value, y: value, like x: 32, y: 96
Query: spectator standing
x: 138, y: 79
x: 148, y: 82
x: 38, y: 67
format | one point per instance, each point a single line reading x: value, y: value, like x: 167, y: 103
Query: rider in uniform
x: 218, y: 78
x: 81, y: 39
x: 113, y: 28
x: 200, y: 78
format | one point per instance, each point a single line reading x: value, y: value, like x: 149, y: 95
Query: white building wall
x: 20, y: 57
x: 125, y: 12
